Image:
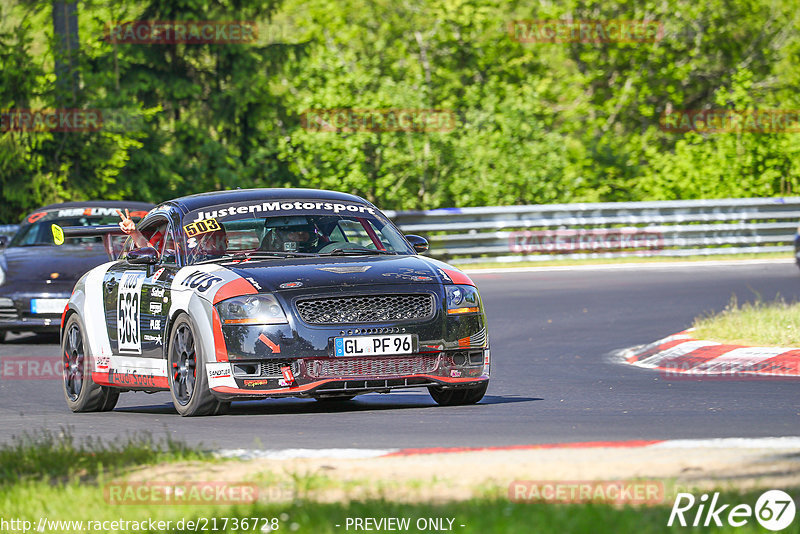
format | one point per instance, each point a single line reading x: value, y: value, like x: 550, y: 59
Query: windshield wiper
x: 355, y: 251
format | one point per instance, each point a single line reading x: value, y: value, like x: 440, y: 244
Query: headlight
x: 462, y: 299
x: 251, y: 309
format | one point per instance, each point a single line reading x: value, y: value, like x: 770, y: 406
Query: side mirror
x: 143, y: 256
x: 419, y: 243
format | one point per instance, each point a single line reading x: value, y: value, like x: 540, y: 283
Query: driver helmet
x: 291, y: 234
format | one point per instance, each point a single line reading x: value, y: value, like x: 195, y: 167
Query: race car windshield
x: 39, y: 232
x: 290, y: 228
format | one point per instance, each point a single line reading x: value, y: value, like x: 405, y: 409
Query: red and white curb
x: 682, y: 355
x: 782, y: 443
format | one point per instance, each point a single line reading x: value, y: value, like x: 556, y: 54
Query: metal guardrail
x: 511, y: 234
x: 8, y: 229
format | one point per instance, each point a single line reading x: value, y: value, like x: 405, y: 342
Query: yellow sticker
x: 201, y: 227
x: 58, y: 234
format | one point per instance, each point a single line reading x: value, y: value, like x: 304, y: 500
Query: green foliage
x: 536, y: 122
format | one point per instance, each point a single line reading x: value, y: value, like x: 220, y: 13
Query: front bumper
x: 17, y: 314
x: 298, y: 358
x: 328, y: 377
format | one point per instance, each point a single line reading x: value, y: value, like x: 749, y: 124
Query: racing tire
x: 186, y: 373
x: 459, y: 396
x: 80, y: 391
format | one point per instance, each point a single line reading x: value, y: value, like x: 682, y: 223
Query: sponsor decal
x: 274, y: 347
x: 155, y: 307
x: 412, y: 275
x: 131, y: 379
x: 255, y: 383
x: 283, y: 383
x: 155, y: 324
x: 282, y: 207
x: 90, y: 212
x: 128, y: 327
x: 156, y: 339
x: 219, y: 373
x: 253, y: 282
x: 201, y: 227
x: 36, y: 216
x: 102, y: 362
x: 191, y: 242
x: 201, y: 281
x: 455, y: 373
x: 287, y: 374
x: 289, y: 285
x: 157, y: 292
x: 349, y: 269
x: 156, y: 276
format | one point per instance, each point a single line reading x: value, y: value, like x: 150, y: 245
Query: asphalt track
x: 552, y: 380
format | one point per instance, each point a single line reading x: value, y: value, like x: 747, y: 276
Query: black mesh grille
x: 366, y: 309
x: 364, y: 367
x: 272, y: 368
x: 7, y: 310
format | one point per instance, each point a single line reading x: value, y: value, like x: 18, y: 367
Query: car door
x: 126, y: 297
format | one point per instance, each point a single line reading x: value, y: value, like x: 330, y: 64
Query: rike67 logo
x: 774, y: 510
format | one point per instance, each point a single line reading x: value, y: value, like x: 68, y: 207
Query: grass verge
x: 760, y: 323
x: 61, y: 486
x: 61, y: 457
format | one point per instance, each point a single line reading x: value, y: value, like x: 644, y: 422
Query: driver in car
x: 208, y: 245
x: 291, y: 234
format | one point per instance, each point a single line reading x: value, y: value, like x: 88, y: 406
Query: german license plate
x: 48, y: 305
x: 374, y: 345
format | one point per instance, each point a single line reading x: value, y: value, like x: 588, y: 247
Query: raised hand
x: 126, y: 224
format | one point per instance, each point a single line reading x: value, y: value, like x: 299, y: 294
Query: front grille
x: 366, y: 309
x: 265, y: 369
x: 7, y: 310
x: 379, y: 366
x: 272, y: 369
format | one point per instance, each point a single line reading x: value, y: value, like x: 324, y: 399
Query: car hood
x: 275, y: 275
x: 39, y: 263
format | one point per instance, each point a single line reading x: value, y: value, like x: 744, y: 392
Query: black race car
x: 36, y: 277
x: 262, y: 293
